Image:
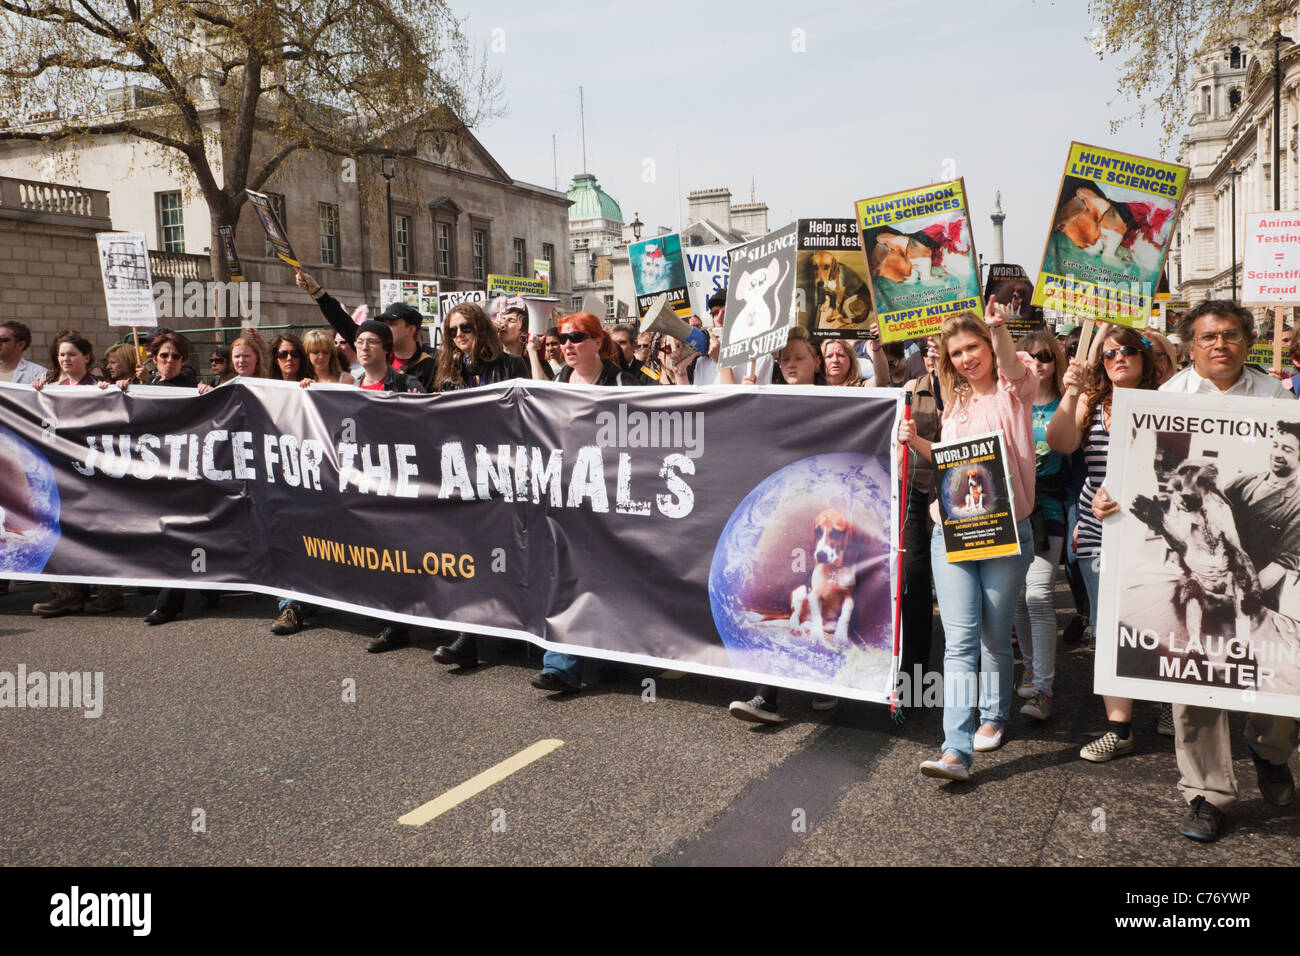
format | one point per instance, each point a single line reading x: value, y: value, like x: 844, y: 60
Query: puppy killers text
x: 587, y: 477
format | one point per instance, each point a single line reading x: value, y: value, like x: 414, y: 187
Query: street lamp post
x: 1277, y: 39
x: 637, y: 225
x: 1233, y: 173
x: 388, y: 166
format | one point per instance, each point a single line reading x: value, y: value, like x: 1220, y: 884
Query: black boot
x: 462, y: 651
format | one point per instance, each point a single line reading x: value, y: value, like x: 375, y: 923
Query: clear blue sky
x: 884, y: 94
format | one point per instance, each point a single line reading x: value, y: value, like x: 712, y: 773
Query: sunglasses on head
x: 460, y: 330
x: 1045, y: 357
x: 1129, y: 350
x: 567, y: 338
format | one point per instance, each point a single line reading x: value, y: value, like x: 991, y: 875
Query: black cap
x: 380, y: 329
x: 400, y: 310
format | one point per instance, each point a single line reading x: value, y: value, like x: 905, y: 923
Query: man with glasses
x: 633, y: 362
x: 14, y: 340
x: 1220, y: 334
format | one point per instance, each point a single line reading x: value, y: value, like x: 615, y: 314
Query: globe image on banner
x: 821, y: 524
x: 29, y: 507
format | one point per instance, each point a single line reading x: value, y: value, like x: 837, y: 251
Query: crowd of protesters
x: 1052, y: 406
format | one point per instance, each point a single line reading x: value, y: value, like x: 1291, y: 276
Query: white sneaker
x: 1026, y: 687
x: 1039, y: 707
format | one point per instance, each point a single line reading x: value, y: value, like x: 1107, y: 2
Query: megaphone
x: 663, y: 320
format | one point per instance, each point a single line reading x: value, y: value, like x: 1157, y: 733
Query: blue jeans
x: 565, y: 666
x: 977, y: 602
x: 1090, y: 571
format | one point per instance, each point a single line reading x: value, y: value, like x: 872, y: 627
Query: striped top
x: 1095, y: 447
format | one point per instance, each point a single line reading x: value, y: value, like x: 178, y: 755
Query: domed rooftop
x: 590, y: 201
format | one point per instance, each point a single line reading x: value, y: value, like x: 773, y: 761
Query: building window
x: 1234, y: 98
x: 329, y: 233
x: 519, y: 257
x: 609, y: 308
x: 171, y: 223
x: 446, y: 249
x: 548, y: 253
x: 480, y: 255
x: 1234, y: 58
x: 1205, y: 100
x: 576, y: 303
x: 402, y: 242
x: 277, y: 203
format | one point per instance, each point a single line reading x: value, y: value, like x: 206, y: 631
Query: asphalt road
x: 213, y: 720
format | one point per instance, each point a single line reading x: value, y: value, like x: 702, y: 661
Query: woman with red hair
x: 589, y: 359
x: 588, y: 352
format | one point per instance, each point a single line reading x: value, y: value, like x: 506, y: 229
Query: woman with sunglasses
x: 1083, y: 421
x: 471, y: 355
x: 1036, y: 608
x: 589, y: 359
x: 289, y: 362
x: 985, y: 387
x: 222, y: 371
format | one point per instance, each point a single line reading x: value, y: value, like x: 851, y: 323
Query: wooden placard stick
x: 1085, y: 341
x: 1277, y: 339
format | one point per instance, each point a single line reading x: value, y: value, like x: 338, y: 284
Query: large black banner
x: 732, y: 531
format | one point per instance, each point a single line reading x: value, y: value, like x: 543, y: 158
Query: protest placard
x: 128, y: 284
x: 228, y: 253
x: 519, y: 510
x: 1110, y: 232
x: 657, y: 268
x: 1166, y: 312
x: 707, y: 269
x: 920, y: 257
x: 832, y: 299
x: 760, y: 306
x: 273, y: 228
x: 1271, y: 268
x: 542, y: 270
x: 1200, y: 587
x: 514, y: 285
x: 420, y: 294
x: 975, y: 500
x: 1008, y: 285
x: 447, y: 299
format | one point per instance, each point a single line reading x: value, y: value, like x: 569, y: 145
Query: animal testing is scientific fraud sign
x: 833, y: 299
x: 1200, y: 577
x: 760, y: 298
x: 1110, y: 234
x: 1270, y: 273
x: 975, y: 498
x: 921, y: 258
x: 708, y: 530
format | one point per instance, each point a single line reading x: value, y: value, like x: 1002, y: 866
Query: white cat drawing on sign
x: 755, y: 289
x: 656, y: 273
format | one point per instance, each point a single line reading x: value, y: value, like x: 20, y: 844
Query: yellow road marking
x: 476, y: 785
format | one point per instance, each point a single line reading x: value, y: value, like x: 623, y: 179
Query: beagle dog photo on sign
x: 840, y: 296
x: 823, y: 608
